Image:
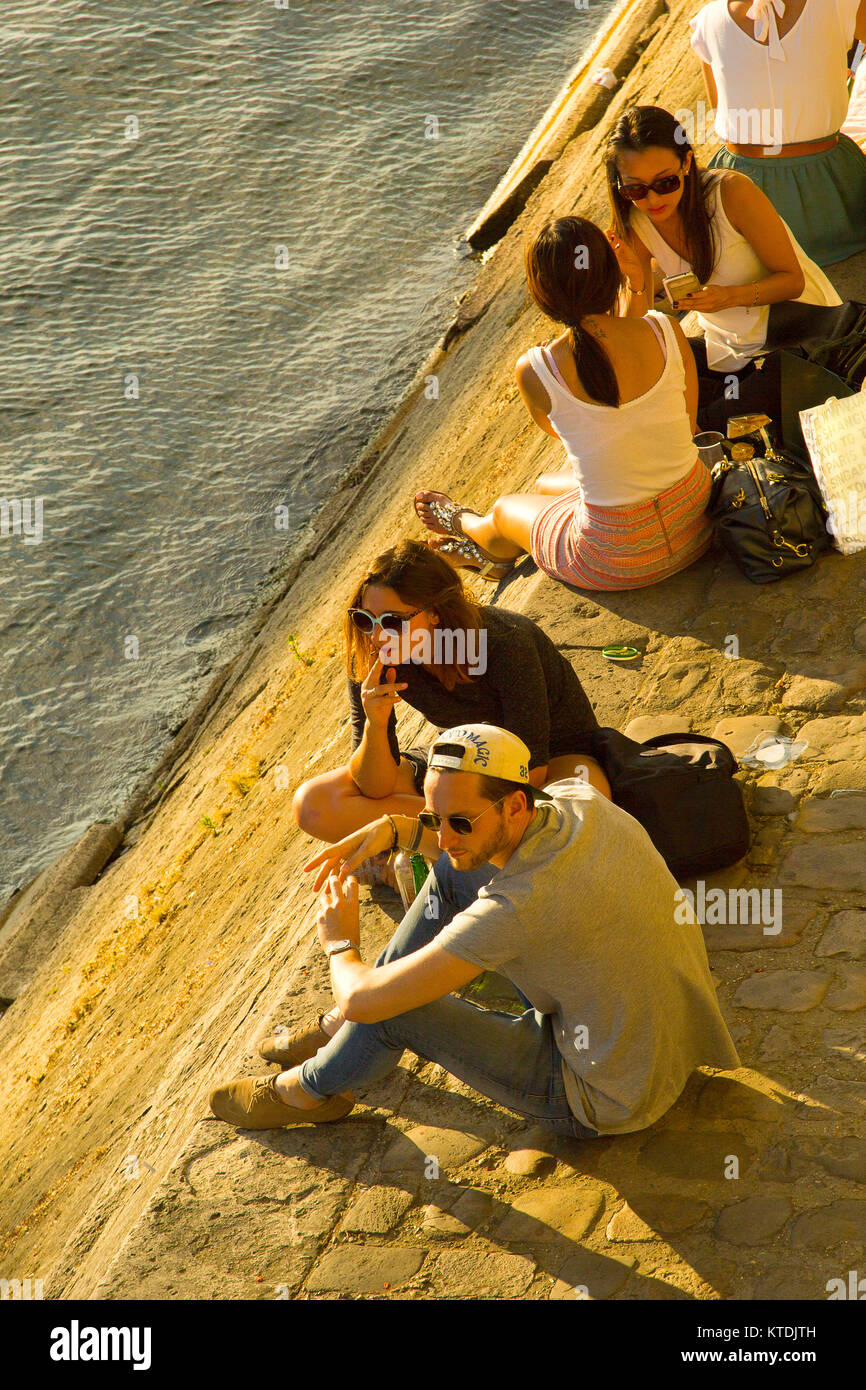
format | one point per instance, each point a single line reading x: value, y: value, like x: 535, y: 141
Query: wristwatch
x: 337, y: 946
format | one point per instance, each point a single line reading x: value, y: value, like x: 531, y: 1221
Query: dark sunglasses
x: 461, y: 825
x: 389, y: 622
x: 636, y: 192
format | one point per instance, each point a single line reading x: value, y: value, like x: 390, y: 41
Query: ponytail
x: 593, y: 366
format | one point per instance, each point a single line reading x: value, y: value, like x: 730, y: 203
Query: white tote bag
x: 835, y: 435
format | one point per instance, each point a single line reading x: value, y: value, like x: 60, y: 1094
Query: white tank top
x: 733, y: 336
x: 786, y: 90
x: 625, y: 454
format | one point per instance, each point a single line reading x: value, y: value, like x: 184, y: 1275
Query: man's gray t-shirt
x: 582, y: 920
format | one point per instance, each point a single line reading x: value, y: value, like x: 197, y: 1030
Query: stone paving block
x: 358, y: 1269
x: 474, y: 1274
x: 790, y: 1283
x: 826, y: 1100
x: 840, y: 739
x: 529, y: 1163
x: 833, y: 813
x: 654, y: 725
x: 793, y: 991
x: 471, y: 1210
x: 824, y: 1227
x: 586, y: 1275
x: 769, y: 799
x: 845, y: 935
x: 695, y: 1154
x: 377, y: 1211
x: 740, y: 731
x: 849, y: 992
x: 841, y: 868
x: 411, y: 1152
x: 669, y: 1212
x: 548, y: 1215
x: 724, y: 1097
x: 532, y: 1152
x: 847, y: 1040
x: 840, y: 776
x: 816, y: 696
x: 782, y: 1163
x: 844, y: 1157
x: 753, y: 1221
x: 651, y: 1215
x: 752, y: 936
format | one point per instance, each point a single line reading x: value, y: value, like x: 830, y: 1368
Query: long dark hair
x: 571, y: 271
x: 423, y: 580
x: 638, y: 129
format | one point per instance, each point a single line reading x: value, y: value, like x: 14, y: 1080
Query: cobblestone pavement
x: 199, y: 937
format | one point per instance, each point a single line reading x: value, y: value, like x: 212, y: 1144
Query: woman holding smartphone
x: 621, y: 395
x: 414, y: 634
x: 669, y: 212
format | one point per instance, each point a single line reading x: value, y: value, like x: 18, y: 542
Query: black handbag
x: 681, y: 788
x: 833, y: 338
x: 769, y: 515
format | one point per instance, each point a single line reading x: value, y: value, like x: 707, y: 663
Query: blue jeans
x: 514, y: 1060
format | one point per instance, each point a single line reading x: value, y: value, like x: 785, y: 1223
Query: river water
x: 229, y: 233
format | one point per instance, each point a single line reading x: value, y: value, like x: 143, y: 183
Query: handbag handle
x: 661, y: 740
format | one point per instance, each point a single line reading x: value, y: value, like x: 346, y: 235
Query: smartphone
x: 676, y: 287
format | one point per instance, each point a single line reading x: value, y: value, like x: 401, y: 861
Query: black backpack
x: 681, y: 788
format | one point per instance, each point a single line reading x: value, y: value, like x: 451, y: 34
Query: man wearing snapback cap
x: 560, y: 891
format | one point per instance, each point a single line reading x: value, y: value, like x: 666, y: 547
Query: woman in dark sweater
x: 412, y: 628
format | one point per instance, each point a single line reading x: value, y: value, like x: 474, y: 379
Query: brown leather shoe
x: 291, y: 1049
x: 252, y: 1103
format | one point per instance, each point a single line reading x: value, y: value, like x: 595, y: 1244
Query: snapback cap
x: 486, y: 749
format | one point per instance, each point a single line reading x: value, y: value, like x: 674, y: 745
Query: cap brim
x: 539, y: 794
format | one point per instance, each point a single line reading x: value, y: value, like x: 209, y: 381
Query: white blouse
x: 787, y: 90
x: 732, y: 336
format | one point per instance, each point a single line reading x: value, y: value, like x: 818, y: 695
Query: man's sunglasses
x: 461, y: 825
x: 636, y: 192
x: 389, y: 622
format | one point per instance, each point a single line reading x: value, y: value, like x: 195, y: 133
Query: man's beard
x: 476, y: 857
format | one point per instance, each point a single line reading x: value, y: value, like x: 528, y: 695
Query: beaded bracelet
x: 395, y: 840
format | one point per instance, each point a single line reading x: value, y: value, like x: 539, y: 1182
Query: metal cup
x: 709, y: 446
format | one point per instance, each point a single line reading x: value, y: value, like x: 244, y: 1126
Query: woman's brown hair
x: 644, y: 127
x: 423, y: 580
x: 571, y: 271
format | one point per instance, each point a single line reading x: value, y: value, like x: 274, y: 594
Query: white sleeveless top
x: 783, y: 91
x: 733, y: 336
x: 623, y: 455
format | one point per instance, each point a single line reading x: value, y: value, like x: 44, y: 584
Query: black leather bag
x: 769, y: 515
x: 681, y: 788
x: 833, y: 338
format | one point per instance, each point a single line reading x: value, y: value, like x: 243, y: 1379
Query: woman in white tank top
x: 668, y: 211
x: 621, y: 395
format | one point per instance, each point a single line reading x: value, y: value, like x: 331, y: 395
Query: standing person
x: 411, y: 627
x: 621, y: 396
x: 719, y: 225
x: 776, y: 74
x: 566, y: 896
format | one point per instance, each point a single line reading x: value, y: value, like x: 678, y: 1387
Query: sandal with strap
x: 472, y: 557
x: 448, y: 515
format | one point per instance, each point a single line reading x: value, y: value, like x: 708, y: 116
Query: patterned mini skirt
x: 624, y: 547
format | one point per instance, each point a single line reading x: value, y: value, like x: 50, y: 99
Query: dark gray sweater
x: 528, y: 688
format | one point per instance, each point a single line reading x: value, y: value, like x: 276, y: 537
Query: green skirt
x: 822, y: 197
